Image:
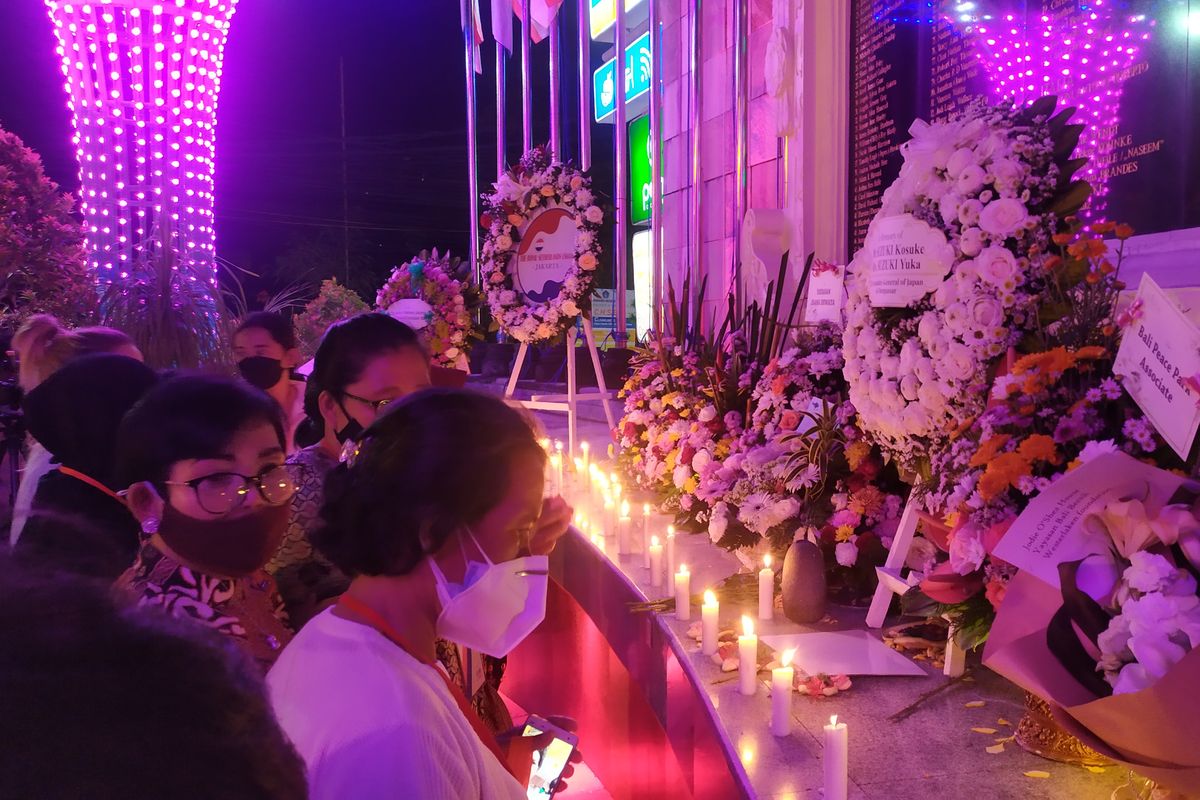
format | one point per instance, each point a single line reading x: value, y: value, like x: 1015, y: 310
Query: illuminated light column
x: 1085, y: 62
x: 143, y: 77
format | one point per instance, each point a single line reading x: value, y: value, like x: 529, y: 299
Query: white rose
x: 970, y: 180
x: 986, y: 313
x: 1003, y: 217
x: 909, y: 385
x: 594, y: 215
x: 503, y: 242
x: 570, y: 309
x: 971, y: 242
x: 966, y: 549
x: 931, y: 397
x: 508, y: 297
x: 1005, y: 173
x: 956, y: 317
x: 924, y: 369
x: 996, y: 265
x: 916, y: 419
x: 960, y: 160
x: 583, y: 198
x: 910, y: 351
x: 958, y: 364
x: 701, y: 460
x: 948, y: 206
x: 680, y: 476
x: 708, y: 413
x: 846, y: 553
x: 968, y: 212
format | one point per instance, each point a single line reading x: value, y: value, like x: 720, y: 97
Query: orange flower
x: 989, y: 449
x: 1103, y: 228
x: 1052, y: 263
x: 1124, y: 232
x: 1088, y: 248
x: 1002, y: 471
x: 1089, y: 353
x: 1039, y: 447
x: 1061, y: 238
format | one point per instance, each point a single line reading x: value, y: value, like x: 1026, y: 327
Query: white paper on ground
x: 1050, y: 530
x: 843, y: 653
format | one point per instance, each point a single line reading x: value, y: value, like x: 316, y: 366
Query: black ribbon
x: 1081, y: 613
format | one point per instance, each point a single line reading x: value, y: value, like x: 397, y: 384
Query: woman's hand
x: 552, y: 524
x: 518, y: 750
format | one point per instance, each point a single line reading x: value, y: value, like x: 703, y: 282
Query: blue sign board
x: 637, y: 78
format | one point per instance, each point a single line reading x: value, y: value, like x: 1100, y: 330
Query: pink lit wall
x: 142, y: 81
x: 717, y: 140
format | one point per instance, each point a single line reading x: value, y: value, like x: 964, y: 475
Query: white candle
x: 766, y: 590
x: 671, y: 548
x: 837, y: 757
x: 709, y: 613
x: 644, y: 531
x: 584, y: 452
x: 609, y: 521
x: 625, y: 528
x: 656, y: 552
x: 645, y: 545
x: 558, y: 451
x: 781, y: 695
x: 683, y: 594
x: 555, y: 485
x: 747, y: 658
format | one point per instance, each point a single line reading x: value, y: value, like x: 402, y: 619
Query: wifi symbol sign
x: 638, y: 67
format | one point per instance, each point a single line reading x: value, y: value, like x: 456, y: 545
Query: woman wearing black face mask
x: 362, y: 364
x: 203, y: 461
x: 264, y: 346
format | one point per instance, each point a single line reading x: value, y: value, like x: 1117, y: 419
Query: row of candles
x: 601, y: 508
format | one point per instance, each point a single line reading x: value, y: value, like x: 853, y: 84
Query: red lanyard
x: 92, y: 482
x: 370, y: 616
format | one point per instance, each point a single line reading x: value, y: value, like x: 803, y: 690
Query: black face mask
x: 261, y: 371
x: 351, y: 431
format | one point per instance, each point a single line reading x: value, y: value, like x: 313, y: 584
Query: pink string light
x: 1085, y: 62
x: 143, y: 106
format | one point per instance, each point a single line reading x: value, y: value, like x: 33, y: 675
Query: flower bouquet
x: 433, y: 295
x: 333, y: 303
x: 983, y: 194
x: 1055, y: 409
x: 1103, y: 621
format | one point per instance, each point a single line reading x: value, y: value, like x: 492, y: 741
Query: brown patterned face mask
x: 228, y: 547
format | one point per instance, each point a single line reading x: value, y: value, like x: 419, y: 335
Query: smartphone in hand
x: 551, y: 760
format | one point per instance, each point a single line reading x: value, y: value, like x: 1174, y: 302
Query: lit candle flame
x: 584, y: 446
x: 578, y: 464
x: 558, y: 445
x: 747, y: 626
x: 670, y: 530
x: 545, y: 443
x: 624, y: 508
x: 654, y: 541
x: 788, y: 656
x: 833, y: 720
x: 710, y: 598
x: 767, y: 561
x: 683, y: 569
x: 645, y: 509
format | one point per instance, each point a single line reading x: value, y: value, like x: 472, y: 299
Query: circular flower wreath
x: 996, y: 183
x: 536, y: 184
x: 439, y: 282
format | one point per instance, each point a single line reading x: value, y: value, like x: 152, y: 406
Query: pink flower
x: 789, y: 421
x: 944, y: 585
x: 995, y: 591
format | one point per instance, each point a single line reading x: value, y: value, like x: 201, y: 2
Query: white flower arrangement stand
x: 892, y: 582
x: 570, y: 401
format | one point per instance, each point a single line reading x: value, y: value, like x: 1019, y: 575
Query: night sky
x: 278, y: 134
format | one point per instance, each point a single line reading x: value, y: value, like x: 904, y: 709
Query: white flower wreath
x: 536, y: 184
x: 992, y: 191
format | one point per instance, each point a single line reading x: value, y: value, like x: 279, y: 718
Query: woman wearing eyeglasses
x: 203, y: 460
x: 363, y: 364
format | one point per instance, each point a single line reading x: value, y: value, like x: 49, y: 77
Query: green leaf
x: 1043, y: 106
x: 1065, y: 143
x: 1072, y: 199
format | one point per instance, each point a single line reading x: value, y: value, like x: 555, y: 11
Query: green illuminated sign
x: 639, y: 169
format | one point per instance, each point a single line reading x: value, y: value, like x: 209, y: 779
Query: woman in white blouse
x: 432, y: 518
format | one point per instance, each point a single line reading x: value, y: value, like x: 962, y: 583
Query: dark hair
x: 436, y: 460
x: 188, y: 416
x: 345, y: 350
x: 278, y: 326
x: 104, y: 701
